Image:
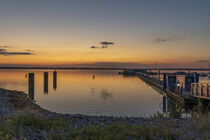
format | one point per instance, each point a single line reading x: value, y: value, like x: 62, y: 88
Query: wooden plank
x: 169, y: 93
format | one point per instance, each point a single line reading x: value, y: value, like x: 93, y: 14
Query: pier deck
x: 186, y: 96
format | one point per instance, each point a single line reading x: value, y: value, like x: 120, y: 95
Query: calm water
x: 77, y: 91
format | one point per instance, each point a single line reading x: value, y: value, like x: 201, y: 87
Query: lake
x: 90, y: 92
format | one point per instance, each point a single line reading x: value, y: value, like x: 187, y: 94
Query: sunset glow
x: 142, y: 34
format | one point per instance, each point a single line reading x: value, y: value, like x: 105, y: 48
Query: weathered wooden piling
x: 31, y: 86
x: 46, y: 82
x: 55, y: 80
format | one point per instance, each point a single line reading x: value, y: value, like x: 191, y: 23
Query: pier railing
x: 200, y: 90
x: 158, y: 81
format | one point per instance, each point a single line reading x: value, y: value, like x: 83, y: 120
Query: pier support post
x: 159, y: 74
x: 164, y: 103
x: 164, y: 81
x: 196, y: 78
x: 181, y: 89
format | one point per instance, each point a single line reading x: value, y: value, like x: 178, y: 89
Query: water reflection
x: 45, y: 82
x: 92, y: 91
x: 168, y: 104
x: 105, y: 94
x: 111, y: 94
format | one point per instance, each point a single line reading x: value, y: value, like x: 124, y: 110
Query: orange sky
x: 61, y: 33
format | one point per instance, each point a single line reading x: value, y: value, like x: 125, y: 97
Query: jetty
x: 189, y: 90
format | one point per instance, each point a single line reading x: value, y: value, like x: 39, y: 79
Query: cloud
x: 105, y: 45
x: 203, y: 61
x: 6, y: 53
x: 2, y: 50
x: 4, y: 47
x: 93, y: 47
x: 29, y: 50
x: 167, y: 39
x: 160, y: 40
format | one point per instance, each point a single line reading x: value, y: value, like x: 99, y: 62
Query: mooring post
x: 164, y: 81
x: 55, y: 79
x: 46, y: 82
x: 31, y: 86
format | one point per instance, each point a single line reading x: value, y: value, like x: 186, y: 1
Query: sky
x: 105, y: 33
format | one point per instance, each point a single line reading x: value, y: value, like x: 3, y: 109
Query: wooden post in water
x: 46, y: 82
x: 31, y: 86
x: 55, y: 80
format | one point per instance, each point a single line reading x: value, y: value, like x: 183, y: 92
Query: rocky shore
x: 17, y: 102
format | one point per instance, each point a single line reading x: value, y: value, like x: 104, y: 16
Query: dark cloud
x: 4, y: 47
x: 104, y: 47
x: 106, y: 43
x: 94, y: 47
x: 2, y: 50
x: 107, y: 65
x: 203, y: 61
x: 5, y: 52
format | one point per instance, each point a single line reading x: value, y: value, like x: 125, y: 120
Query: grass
x: 16, y: 126
x: 176, y: 111
x: 116, y: 132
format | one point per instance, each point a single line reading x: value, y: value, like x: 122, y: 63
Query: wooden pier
x: 202, y: 91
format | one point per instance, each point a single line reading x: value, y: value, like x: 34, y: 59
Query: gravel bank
x: 13, y: 102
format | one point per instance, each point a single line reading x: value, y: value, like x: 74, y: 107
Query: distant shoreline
x: 59, y: 68
x: 108, y: 68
